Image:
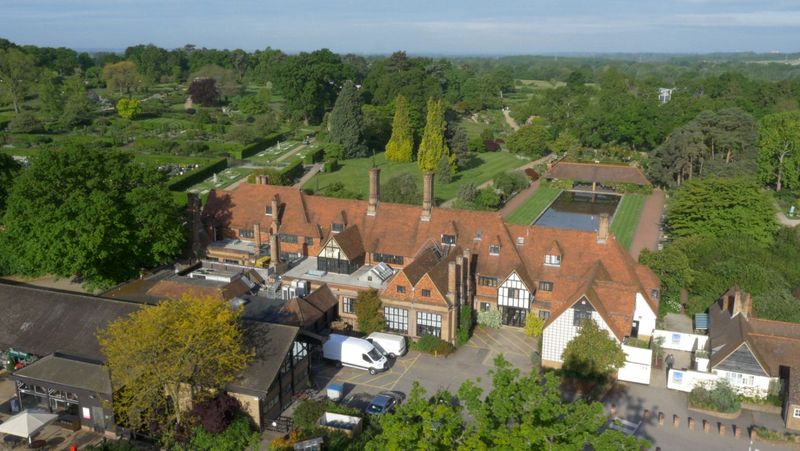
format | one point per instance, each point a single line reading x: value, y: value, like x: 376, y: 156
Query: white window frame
x: 796, y: 412
x: 552, y: 260
x: 396, y: 319
x: 349, y: 305
x: 494, y: 249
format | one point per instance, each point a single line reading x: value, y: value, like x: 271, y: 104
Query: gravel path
x: 647, y: 231
x: 510, y: 120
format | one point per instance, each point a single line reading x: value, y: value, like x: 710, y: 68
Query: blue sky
x: 418, y: 26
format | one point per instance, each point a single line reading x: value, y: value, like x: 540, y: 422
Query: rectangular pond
x: 578, y: 210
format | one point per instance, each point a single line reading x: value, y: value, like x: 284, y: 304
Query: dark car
x: 385, y: 402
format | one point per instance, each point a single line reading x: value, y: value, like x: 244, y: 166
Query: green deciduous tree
x: 402, y: 189
x: 18, y: 73
x: 121, y: 76
x: 527, y: 412
x: 433, y: 147
x: 401, y: 144
x: 226, y: 81
x: 90, y: 212
x: 421, y: 423
x: 530, y: 140
x: 160, y: 355
x: 309, y: 82
x: 51, y: 99
x: 346, y: 122
x: 593, y: 353
x: 779, y: 149
x: 9, y: 168
x: 567, y: 144
x: 369, y: 311
x: 128, y: 108
x: 715, y: 206
x: 671, y: 265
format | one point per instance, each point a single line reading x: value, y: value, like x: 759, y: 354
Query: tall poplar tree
x: 432, y: 148
x: 347, y: 122
x: 401, y: 145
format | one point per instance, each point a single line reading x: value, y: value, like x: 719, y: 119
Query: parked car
x: 385, y: 402
x: 355, y: 353
x: 388, y: 344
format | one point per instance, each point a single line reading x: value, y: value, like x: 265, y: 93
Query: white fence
x: 637, y: 365
x: 683, y: 380
x: 681, y: 341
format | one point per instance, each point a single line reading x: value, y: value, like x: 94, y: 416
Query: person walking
x: 670, y: 360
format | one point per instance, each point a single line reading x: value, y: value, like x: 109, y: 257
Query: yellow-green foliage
x: 401, y: 145
x: 128, y: 108
x: 432, y: 147
x: 534, y: 326
x: 184, y: 345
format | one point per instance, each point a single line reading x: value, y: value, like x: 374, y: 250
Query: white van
x: 354, y: 352
x: 391, y: 345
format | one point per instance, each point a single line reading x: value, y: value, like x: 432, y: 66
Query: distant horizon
x: 469, y: 27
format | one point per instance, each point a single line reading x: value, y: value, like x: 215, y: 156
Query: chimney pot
x: 374, y: 191
x: 602, y: 229
x: 427, y: 196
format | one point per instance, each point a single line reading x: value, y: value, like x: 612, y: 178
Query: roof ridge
x: 779, y: 337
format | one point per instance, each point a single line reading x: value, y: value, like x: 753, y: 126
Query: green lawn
x: 626, y: 218
x: 533, y: 206
x: 355, y: 177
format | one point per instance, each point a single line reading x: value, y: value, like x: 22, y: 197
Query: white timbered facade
x: 564, y: 328
x: 514, y: 300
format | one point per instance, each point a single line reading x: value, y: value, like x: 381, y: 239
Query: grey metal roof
x: 701, y: 321
x: 70, y: 372
x: 40, y: 321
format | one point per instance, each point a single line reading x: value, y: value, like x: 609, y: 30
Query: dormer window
x: 268, y: 210
x: 552, y: 260
x: 337, y: 227
x: 520, y: 240
x: 478, y: 235
x: 448, y: 240
x: 494, y: 249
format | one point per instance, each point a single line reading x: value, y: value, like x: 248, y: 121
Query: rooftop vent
x: 383, y: 271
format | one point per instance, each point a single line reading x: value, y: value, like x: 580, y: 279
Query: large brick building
x: 426, y: 262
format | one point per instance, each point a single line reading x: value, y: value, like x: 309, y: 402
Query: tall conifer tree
x: 432, y: 147
x: 347, y: 122
x: 401, y: 145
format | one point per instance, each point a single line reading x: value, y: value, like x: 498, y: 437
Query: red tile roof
x: 398, y: 230
x: 596, y: 172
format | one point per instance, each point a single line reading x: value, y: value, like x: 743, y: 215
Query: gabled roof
x: 596, y: 172
x: 322, y: 298
x: 555, y: 249
x: 349, y: 242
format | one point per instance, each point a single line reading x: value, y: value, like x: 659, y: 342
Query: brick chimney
x: 602, y: 229
x: 452, y: 281
x: 274, y: 251
x: 257, y: 237
x: 741, y: 303
x: 374, y: 191
x: 275, y: 213
x: 427, y: 196
x: 466, y: 270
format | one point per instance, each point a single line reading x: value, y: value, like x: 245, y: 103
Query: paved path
x: 307, y: 176
x: 510, y: 120
x: 647, y: 231
x: 783, y: 219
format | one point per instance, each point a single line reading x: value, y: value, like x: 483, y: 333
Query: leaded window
x: 246, y: 233
x: 487, y: 281
x: 429, y: 324
x: 396, y: 319
x: 349, y: 305
x: 546, y: 286
x: 286, y: 238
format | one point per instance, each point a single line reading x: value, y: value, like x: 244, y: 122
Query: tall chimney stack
x: 427, y: 196
x: 452, y: 281
x: 466, y: 269
x: 274, y: 252
x: 602, y: 229
x: 374, y: 191
x: 275, y: 212
x: 257, y: 237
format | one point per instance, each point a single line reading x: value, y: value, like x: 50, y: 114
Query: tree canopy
x: 716, y: 206
x: 433, y: 147
x: 347, y: 122
x: 530, y: 140
x: 779, y: 154
x: 17, y: 74
x: 400, y: 147
x: 91, y: 212
x: 593, y: 353
x: 369, y: 311
x: 160, y: 352
x: 121, y: 76
x: 204, y: 91
x: 310, y: 81
x: 519, y: 412
x: 402, y: 189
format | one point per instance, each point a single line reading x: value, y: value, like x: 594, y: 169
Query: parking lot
x: 471, y: 361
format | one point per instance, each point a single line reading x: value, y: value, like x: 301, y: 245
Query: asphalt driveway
x: 471, y: 361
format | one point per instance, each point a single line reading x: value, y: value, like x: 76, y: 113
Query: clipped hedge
x: 433, y: 345
x: 285, y: 177
x: 292, y: 172
x: 314, y: 156
x: 185, y: 181
x: 491, y: 319
x: 259, y: 146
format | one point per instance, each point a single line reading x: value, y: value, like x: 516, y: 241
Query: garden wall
x: 681, y: 341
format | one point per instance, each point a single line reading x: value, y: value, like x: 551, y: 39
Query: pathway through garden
x: 510, y: 120
x: 648, y: 230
